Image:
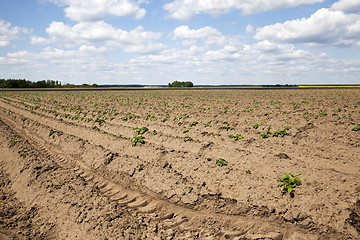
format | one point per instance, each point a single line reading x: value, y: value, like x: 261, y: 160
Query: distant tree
x: 22, y: 83
x: 189, y: 84
x: 178, y: 84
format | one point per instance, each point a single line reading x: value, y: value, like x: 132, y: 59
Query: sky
x: 155, y: 42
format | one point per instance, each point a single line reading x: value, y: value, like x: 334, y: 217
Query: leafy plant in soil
x: 188, y: 139
x: 221, y: 162
x: 356, y: 128
x: 137, y: 139
x: 141, y: 130
x: 236, y: 137
x: 100, y: 121
x: 13, y: 143
x: 265, y: 134
x: 289, y: 181
x: 52, y: 132
x: 281, y: 133
x: 194, y: 123
x: 95, y: 128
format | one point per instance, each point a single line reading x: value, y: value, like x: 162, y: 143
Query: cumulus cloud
x: 208, y: 34
x: 273, y: 52
x: 348, y: 6
x: 8, y: 33
x: 323, y: 27
x: 184, y: 32
x: 249, y: 29
x: 39, y: 40
x: 186, y: 9
x: 136, y: 40
x: 84, y: 10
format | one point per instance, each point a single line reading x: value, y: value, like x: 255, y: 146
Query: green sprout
x: 137, y: 139
x: 236, y: 137
x: 221, y: 162
x: 289, y: 181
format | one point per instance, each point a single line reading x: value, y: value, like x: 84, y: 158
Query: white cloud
x: 39, y: 40
x: 208, y: 34
x: 184, y: 32
x: 136, y: 40
x: 84, y: 10
x: 186, y: 9
x: 8, y: 33
x: 20, y: 57
x: 276, y: 53
x: 323, y: 27
x: 249, y: 29
x: 348, y: 6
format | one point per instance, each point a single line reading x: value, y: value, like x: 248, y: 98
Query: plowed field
x: 179, y: 164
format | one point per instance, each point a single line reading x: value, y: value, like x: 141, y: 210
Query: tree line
x: 23, y: 83
x: 181, y: 84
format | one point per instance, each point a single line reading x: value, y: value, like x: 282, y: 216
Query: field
x: 180, y: 164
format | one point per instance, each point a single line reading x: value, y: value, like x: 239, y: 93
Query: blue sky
x: 203, y: 41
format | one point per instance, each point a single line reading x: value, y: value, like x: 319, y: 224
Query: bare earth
x: 68, y: 169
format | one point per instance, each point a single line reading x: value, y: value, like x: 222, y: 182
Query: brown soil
x: 68, y: 169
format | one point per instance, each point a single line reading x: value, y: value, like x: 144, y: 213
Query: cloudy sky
x: 160, y: 41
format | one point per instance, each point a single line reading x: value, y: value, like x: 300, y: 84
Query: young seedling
x: 193, y: 123
x: 13, y: 143
x: 52, y: 132
x: 256, y: 126
x: 236, y: 137
x: 281, y: 133
x: 137, y: 139
x: 186, y: 130
x: 95, y: 128
x: 100, y: 121
x: 221, y: 162
x: 265, y: 134
x: 187, y: 139
x: 356, y: 128
x: 141, y: 130
x: 289, y: 181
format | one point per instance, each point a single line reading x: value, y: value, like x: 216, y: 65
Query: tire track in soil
x: 170, y: 215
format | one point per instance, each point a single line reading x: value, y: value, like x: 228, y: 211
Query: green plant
x: 236, y: 137
x: 190, y: 189
x: 256, y: 126
x: 265, y: 134
x: 323, y: 114
x: 52, y: 132
x: 95, y: 128
x: 100, y: 121
x: 13, y: 143
x: 166, y: 118
x: 188, y: 139
x: 186, y: 130
x: 141, y: 130
x: 356, y: 128
x: 221, y: 162
x: 289, y: 181
x: 194, y: 123
x: 281, y: 133
x: 137, y: 139
x: 208, y: 123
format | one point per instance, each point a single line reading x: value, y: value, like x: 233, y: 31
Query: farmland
x: 184, y: 163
